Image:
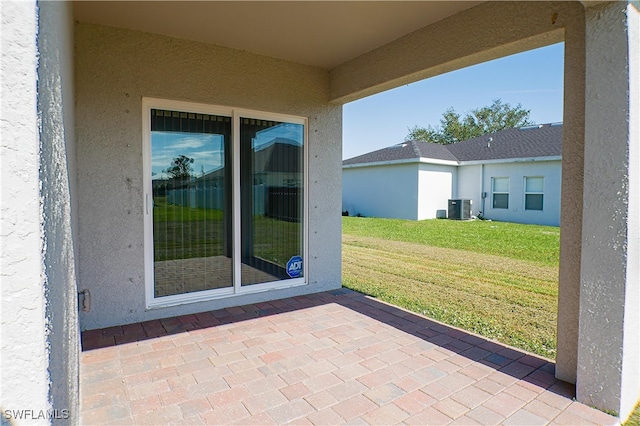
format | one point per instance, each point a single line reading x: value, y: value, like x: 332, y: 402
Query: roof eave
x: 381, y: 163
x: 511, y: 160
x: 422, y: 160
x: 425, y: 160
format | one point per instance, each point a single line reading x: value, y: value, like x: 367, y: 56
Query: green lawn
x: 526, y: 242
x: 634, y: 419
x: 496, y: 279
x: 184, y: 232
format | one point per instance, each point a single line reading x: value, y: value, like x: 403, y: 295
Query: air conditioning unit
x: 459, y: 209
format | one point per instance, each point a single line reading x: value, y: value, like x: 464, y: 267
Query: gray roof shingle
x: 404, y: 151
x: 526, y: 142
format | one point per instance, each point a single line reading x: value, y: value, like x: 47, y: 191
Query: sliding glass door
x: 271, y: 190
x: 224, y: 200
x: 192, y: 220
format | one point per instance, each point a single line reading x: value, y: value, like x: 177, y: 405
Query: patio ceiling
x: 320, y: 33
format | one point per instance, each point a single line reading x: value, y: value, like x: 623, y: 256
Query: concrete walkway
x: 324, y: 359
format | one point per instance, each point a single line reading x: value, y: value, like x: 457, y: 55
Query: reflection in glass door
x: 271, y: 196
x: 192, y: 210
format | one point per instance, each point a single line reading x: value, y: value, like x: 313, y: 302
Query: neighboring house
x: 87, y: 87
x: 513, y: 175
x: 276, y: 170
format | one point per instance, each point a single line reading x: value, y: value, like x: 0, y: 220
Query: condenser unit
x: 459, y: 209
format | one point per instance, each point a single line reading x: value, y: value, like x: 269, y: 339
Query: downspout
x: 483, y: 195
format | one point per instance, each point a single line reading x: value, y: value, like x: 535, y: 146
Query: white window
x: 500, y: 190
x: 533, y: 193
x: 225, y: 205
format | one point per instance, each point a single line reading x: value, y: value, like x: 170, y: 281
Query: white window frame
x: 494, y: 192
x: 236, y: 289
x: 524, y: 199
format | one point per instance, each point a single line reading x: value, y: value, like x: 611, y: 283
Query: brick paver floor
x: 325, y: 359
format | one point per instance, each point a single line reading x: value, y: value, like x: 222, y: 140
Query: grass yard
x: 496, y: 279
x: 634, y: 419
x: 183, y: 232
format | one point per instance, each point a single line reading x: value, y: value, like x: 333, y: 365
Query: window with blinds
x: 534, y: 193
x: 500, y: 190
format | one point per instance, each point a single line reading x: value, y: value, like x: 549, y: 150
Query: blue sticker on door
x: 294, y: 267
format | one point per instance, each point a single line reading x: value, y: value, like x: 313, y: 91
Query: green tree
x: 181, y: 169
x: 480, y: 121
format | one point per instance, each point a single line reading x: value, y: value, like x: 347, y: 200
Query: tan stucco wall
x: 608, y: 374
x: 115, y: 68
x: 57, y: 177
x: 571, y: 196
x: 631, y: 356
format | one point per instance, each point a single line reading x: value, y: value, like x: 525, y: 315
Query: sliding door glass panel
x: 191, y: 182
x: 271, y: 197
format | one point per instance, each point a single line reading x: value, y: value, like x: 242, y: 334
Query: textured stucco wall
x: 572, y: 205
x: 115, y: 68
x: 470, y: 186
x: 609, y: 346
x: 631, y: 354
x: 436, y: 184
x: 381, y: 191
x: 57, y: 161
x: 550, y: 170
x: 24, y: 379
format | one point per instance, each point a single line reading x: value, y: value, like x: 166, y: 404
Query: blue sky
x: 207, y: 150
x: 533, y: 79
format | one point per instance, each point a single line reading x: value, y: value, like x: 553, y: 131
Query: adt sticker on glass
x: 294, y: 267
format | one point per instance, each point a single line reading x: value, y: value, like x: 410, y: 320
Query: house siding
x: 115, y: 69
x: 416, y: 191
x: 470, y: 186
x: 436, y: 185
x: 381, y: 191
x: 516, y: 172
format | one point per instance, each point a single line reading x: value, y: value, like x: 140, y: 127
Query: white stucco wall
x: 436, y: 184
x: 470, y: 187
x: 389, y: 191
x: 115, y: 68
x: 24, y: 380
x: 516, y: 172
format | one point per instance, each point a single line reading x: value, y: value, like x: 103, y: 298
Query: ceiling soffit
x: 323, y: 34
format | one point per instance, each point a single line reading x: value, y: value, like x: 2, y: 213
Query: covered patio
x: 88, y: 89
x: 336, y: 357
